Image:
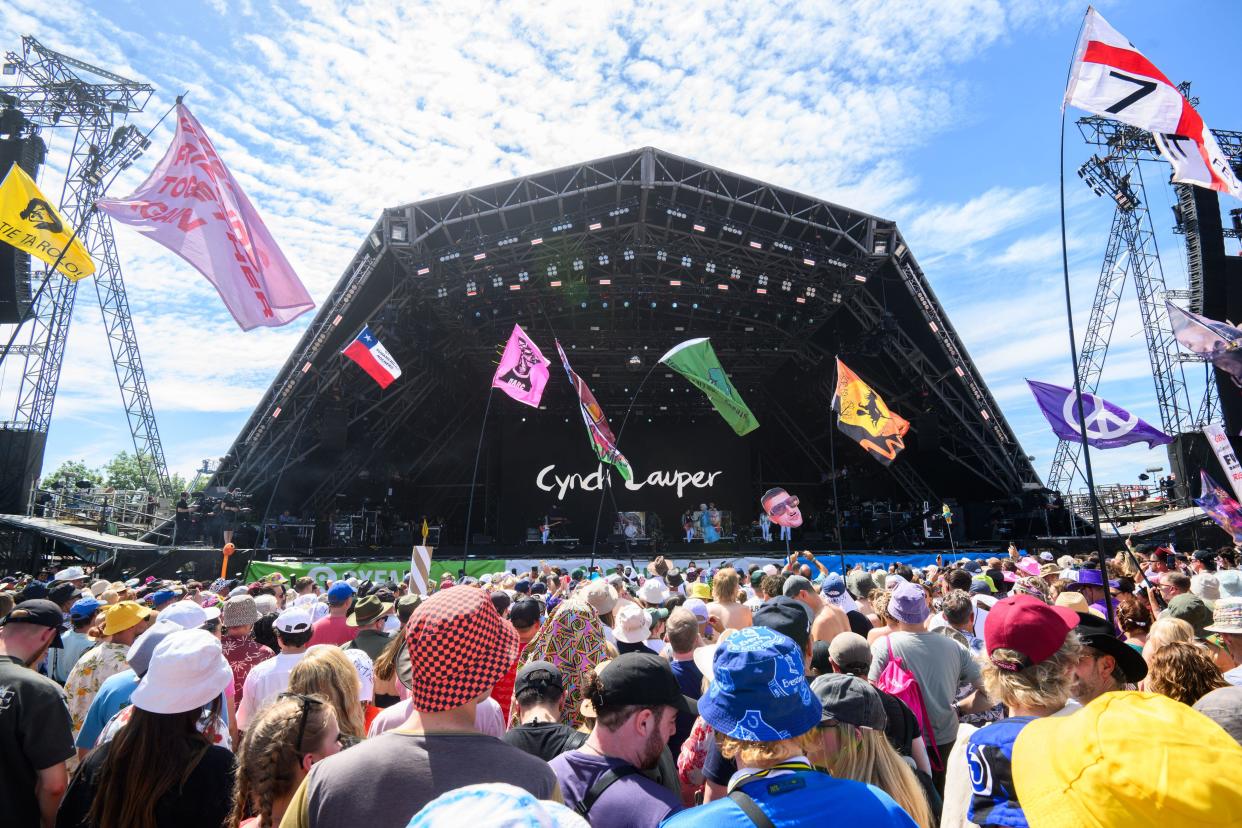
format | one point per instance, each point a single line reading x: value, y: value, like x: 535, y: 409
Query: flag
x: 29, y: 222
x: 946, y: 513
x: 420, y: 568
x: 1225, y: 455
x: 1112, y: 79
x: 1219, y: 342
x: 597, y: 427
x: 426, y: 531
x: 192, y: 205
x: 1108, y: 426
x: 695, y: 359
x: 1220, y: 507
x: 863, y: 417
x: 523, y: 369
x: 373, y: 357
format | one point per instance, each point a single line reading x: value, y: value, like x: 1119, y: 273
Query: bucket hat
x: 601, y: 595
x: 120, y: 617
x: 188, y: 615
x: 909, y: 604
x: 1227, y: 617
x: 239, y: 611
x: 633, y: 625
x: 187, y: 671
x: 653, y: 591
x: 758, y: 691
x: 459, y: 646
x: 368, y: 611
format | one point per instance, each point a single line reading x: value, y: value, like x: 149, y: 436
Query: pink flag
x: 522, y: 372
x: 191, y: 205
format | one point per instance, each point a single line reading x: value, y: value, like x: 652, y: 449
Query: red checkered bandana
x: 459, y: 647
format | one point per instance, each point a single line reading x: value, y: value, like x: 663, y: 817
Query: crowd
x: 1016, y: 690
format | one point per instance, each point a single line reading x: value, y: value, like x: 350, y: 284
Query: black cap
x: 1204, y: 555
x: 63, y: 592
x: 1097, y: 633
x: 525, y: 613
x: 40, y: 612
x: 643, y: 679
x: 786, y: 616
x: 539, y: 675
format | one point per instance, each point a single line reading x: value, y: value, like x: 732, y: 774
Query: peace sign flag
x: 1108, y: 425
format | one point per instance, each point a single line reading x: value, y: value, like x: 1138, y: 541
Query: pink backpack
x: 900, y: 682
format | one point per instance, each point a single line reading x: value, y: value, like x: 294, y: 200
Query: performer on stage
x: 711, y: 533
x: 765, y: 526
x: 544, y: 529
x: 229, y: 509
x: 687, y: 523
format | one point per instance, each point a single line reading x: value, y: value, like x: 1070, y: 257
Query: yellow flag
x: 30, y: 223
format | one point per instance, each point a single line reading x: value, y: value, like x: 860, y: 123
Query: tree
x: 125, y: 471
x: 70, y: 472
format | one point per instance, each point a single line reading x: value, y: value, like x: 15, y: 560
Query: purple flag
x: 1108, y: 425
x: 1217, y: 342
x: 1220, y: 507
x: 192, y: 205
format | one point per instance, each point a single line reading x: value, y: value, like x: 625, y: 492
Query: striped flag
x: 420, y: 570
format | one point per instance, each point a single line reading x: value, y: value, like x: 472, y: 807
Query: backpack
x: 900, y: 682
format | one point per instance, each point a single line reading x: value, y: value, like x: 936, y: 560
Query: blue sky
x: 943, y: 116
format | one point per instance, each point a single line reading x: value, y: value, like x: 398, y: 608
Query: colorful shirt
x: 92, y: 669
x: 217, y: 727
x: 243, y: 653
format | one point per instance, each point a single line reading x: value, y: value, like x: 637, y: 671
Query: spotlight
x: 552, y: 270
x: 603, y: 258
x: 634, y: 363
x: 628, y: 255
x: 786, y: 285
x: 763, y: 279
x: 523, y: 276
x: 661, y: 256
x: 579, y: 264
x: 441, y: 293
x: 497, y: 281
x: 735, y: 273
x: 685, y: 261
x: 711, y: 267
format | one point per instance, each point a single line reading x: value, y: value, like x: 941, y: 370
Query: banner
x: 523, y: 369
x: 1112, y: 79
x: 1218, y: 342
x: 1224, y: 453
x: 863, y: 417
x: 192, y: 205
x: 1108, y: 426
x: 695, y: 359
x: 1220, y: 507
x: 29, y: 222
x: 373, y: 357
x: 374, y: 571
x: 598, y: 430
x: 420, y: 569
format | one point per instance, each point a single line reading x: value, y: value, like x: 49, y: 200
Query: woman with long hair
x: 326, y: 671
x: 280, y: 745
x: 1184, y: 671
x: 850, y: 743
x: 160, y: 769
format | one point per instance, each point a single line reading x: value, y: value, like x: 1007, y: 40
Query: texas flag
x: 367, y: 351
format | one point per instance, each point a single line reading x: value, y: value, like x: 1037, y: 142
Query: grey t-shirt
x: 939, y: 665
x: 384, y: 781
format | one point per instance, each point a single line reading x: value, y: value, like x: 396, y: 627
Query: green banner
x: 695, y: 359
x: 375, y: 571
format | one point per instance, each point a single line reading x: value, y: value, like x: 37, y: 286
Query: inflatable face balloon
x: 782, y: 508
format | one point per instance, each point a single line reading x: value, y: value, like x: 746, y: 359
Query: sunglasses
x: 784, y: 506
x: 306, y: 702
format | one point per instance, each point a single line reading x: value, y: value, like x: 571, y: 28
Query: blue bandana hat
x: 989, y: 756
x: 759, y: 692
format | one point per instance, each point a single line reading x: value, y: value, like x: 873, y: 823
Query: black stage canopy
x: 620, y: 259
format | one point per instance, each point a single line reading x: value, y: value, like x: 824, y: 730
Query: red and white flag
x: 1113, y: 79
x: 523, y: 370
x: 373, y: 358
x: 192, y: 205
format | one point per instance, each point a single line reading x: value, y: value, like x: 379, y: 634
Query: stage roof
x: 621, y: 258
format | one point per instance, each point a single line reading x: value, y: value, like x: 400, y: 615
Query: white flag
x: 1113, y: 79
x: 420, y: 570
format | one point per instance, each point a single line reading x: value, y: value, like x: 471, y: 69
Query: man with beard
x: 635, y: 702
x: 1107, y: 663
x: 36, y: 737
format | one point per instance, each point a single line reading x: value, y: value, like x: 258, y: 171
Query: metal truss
x: 60, y: 97
x: 444, y: 276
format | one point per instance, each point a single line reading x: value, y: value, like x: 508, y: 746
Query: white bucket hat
x: 653, y: 591
x: 187, y: 671
x: 72, y: 573
x: 188, y: 615
x: 633, y: 625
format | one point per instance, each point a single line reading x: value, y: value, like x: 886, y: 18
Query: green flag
x: 695, y: 360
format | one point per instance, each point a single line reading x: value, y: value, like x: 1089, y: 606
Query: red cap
x: 1028, y: 626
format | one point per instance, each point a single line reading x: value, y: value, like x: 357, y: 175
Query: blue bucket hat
x: 759, y: 692
x: 84, y: 608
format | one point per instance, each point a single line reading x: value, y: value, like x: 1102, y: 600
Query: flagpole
x: 475, y: 476
x: 607, y: 471
x: 836, y: 506
x: 1069, y: 320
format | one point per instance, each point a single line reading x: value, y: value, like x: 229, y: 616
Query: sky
x: 941, y: 116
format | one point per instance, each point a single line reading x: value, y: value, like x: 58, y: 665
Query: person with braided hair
x: 279, y: 748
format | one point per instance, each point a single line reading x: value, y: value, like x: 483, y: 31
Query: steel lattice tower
x: 56, y: 92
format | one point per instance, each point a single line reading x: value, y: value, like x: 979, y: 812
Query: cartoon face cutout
x: 781, y: 507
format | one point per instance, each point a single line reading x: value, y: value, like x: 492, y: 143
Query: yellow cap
x: 120, y: 617
x: 700, y: 590
x: 1128, y: 760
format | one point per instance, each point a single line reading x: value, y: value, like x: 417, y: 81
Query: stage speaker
x: 482, y: 540
x: 15, y: 293
x: 1188, y: 453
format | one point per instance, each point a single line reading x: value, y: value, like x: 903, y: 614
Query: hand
x: 716, y: 623
x: 940, y: 560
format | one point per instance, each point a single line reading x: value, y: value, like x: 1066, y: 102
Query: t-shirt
x: 547, y: 740
x: 632, y: 801
x: 112, y: 697
x: 1234, y: 676
x: 266, y: 680
x: 332, y: 630
x: 371, y: 642
x: 798, y: 799
x: 35, y: 734
x: 243, y: 653
x: 88, y: 675
x: 690, y: 680
x: 204, y: 801
x: 61, y: 661
x: 939, y: 664
x: 487, y: 718
x: 503, y: 691
x: 383, y: 781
